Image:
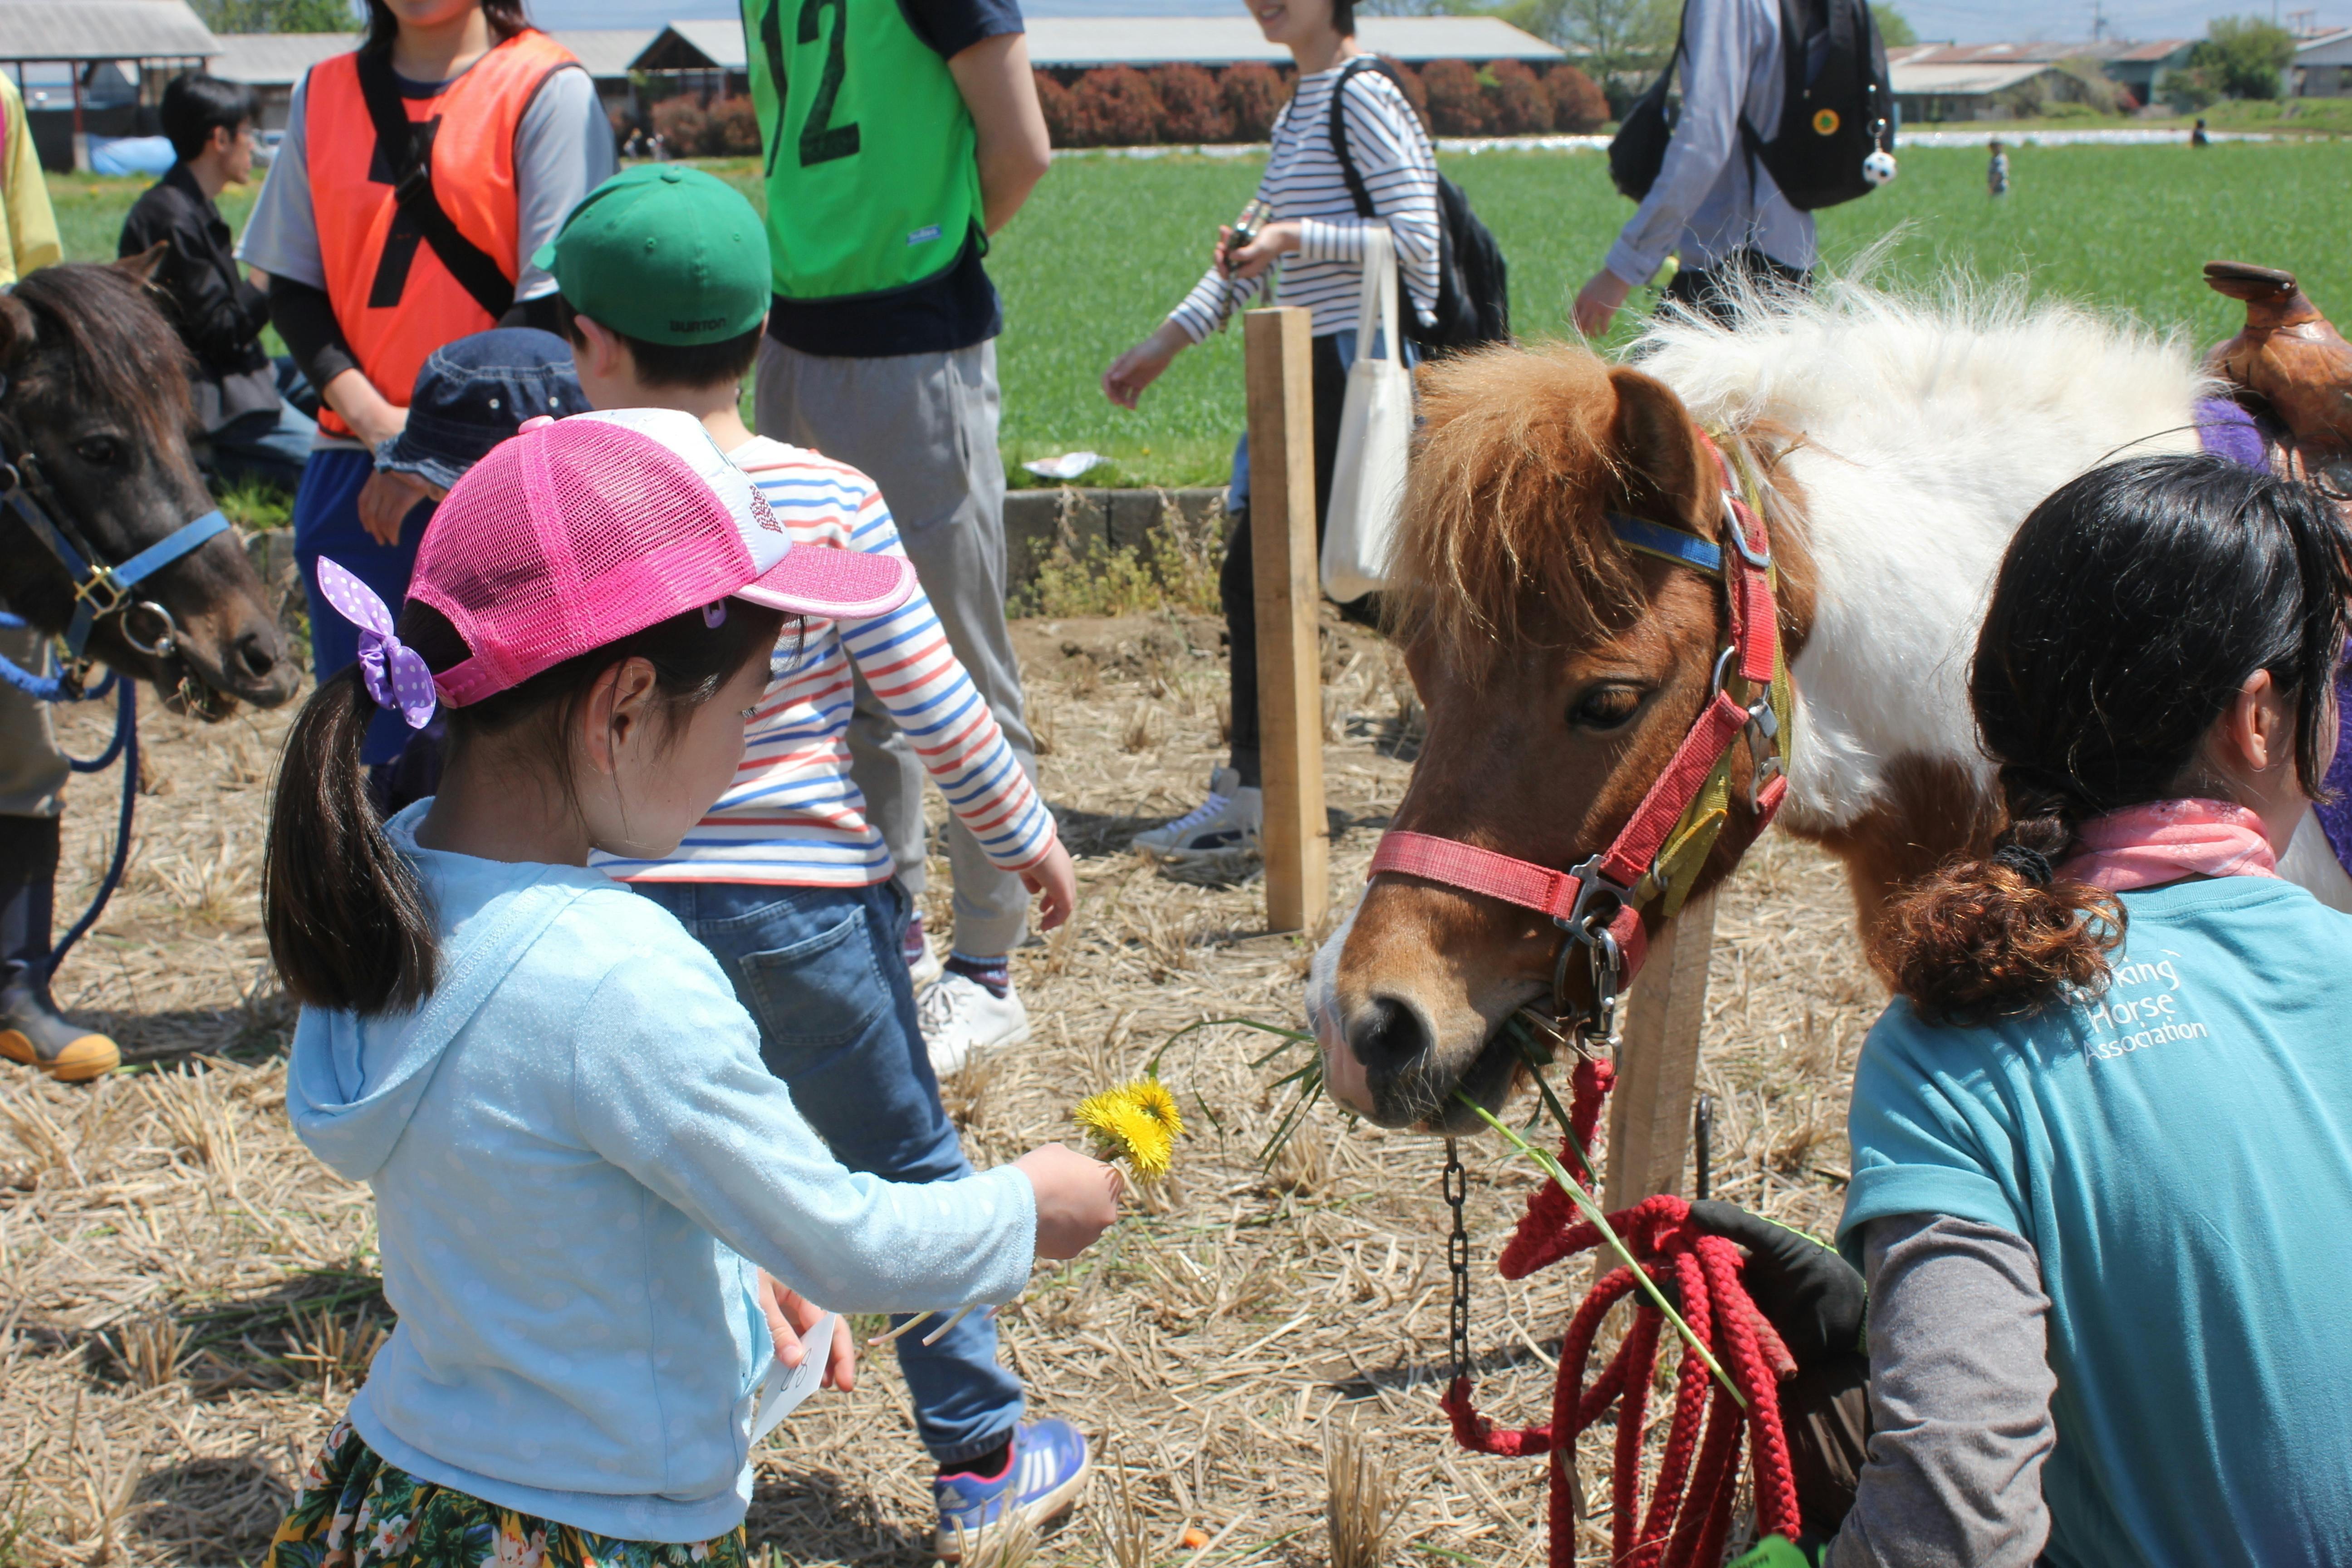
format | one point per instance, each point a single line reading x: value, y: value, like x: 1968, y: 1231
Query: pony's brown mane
x: 107, y: 345
x: 1503, y: 525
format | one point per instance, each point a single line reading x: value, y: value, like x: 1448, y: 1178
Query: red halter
x: 1598, y: 902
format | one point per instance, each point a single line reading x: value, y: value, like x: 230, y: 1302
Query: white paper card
x: 786, y: 1387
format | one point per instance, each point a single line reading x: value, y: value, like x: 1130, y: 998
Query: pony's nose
x: 1388, y: 1036
x: 256, y: 654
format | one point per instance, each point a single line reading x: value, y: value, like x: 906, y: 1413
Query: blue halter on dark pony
x: 100, y: 590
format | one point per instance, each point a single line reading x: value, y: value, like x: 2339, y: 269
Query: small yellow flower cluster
x: 1135, y: 1122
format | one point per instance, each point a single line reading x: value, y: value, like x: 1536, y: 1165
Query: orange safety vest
x: 393, y: 298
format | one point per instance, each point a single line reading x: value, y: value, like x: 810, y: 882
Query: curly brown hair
x: 2130, y: 609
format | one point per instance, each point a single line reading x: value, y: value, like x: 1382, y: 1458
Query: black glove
x: 1812, y: 1297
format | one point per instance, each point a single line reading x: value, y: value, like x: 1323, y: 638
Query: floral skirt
x: 356, y: 1511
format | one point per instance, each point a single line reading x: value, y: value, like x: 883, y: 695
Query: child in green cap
x: 664, y: 287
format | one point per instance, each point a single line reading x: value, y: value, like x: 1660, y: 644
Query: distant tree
x: 681, y: 124
x: 1517, y: 103
x: 1616, y: 41
x: 1192, y: 108
x: 1894, y: 28
x: 1116, y: 108
x: 280, y: 15
x: 1061, y: 114
x: 1577, y: 104
x: 2243, y: 57
x: 1457, y: 100
x: 1416, y: 93
x: 1254, y: 94
x: 2100, y: 91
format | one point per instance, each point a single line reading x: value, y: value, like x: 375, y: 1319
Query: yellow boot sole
x: 85, y: 1056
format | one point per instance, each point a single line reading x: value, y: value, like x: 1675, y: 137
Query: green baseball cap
x: 663, y: 254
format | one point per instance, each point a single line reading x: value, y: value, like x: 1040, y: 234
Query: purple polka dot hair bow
x: 394, y: 673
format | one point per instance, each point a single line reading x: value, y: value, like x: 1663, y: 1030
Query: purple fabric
x: 396, y: 675
x: 2228, y: 431
x: 2335, y: 810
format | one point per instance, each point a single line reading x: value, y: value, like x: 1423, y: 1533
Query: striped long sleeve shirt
x: 793, y: 817
x: 1302, y: 183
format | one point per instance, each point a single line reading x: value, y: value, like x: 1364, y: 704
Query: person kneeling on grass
x: 2102, y: 1184
x: 589, y: 1191
x: 663, y: 282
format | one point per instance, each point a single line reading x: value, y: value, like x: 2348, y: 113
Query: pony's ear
x: 1665, y: 469
x: 15, y: 329
x: 141, y: 268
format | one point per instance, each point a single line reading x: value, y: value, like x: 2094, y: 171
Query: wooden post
x: 1657, y: 1061
x: 1297, y: 839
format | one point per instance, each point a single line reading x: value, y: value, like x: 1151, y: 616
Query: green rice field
x: 1108, y: 244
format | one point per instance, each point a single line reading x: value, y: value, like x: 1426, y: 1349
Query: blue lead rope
x: 125, y: 745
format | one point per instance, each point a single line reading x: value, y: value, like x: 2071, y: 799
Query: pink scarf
x: 2165, y: 841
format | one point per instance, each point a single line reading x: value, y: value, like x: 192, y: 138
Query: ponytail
x: 348, y: 922
x: 1995, y: 938
x: 2130, y: 609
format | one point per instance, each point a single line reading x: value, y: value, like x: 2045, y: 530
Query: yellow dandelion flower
x: 1151, y: 1097
x: 1140, y: 1129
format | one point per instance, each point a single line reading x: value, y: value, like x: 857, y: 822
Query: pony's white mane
x: 1929, y: 426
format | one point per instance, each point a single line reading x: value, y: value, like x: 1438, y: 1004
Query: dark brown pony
x: 97, y: 398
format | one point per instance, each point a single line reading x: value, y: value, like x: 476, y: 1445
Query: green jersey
x: 871, y: 156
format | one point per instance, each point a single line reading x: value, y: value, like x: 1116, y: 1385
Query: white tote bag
x: 1375, y: 433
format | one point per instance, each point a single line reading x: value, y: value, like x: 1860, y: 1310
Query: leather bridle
x: 1657, y: 856
x: 100, y: 590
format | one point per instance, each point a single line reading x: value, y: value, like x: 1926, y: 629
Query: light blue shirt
x: 578, y: 1159
x: 1710, y: 198
x: 2178, y: 1151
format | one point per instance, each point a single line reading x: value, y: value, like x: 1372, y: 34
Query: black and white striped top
x: 1302, y: 183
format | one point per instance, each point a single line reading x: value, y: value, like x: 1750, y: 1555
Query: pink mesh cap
x: 580, y: 532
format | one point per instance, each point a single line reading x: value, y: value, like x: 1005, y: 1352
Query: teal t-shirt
x: 2178, y: 1151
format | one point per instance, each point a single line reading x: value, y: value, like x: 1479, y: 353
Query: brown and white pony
x: 1899, y: 444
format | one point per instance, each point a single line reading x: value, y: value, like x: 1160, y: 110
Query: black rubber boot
x: 32, y: 1030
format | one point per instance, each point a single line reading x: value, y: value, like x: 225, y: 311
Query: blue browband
x: 1667, y: 544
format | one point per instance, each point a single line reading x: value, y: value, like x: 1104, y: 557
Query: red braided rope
x: 1689, y: 1514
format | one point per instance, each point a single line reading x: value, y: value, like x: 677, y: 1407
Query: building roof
x: 2330, y: 49
x: 278, y: 59
x: 275, y: 60
x: 1073, y: 41
x: 607, y: 52
x: 1961, y: 79
x: 694, y: 44
x: 102, y: 30
x: 2038, y: 51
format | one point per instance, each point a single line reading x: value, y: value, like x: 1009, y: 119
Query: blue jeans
x: 327, y: 523
x: 820, y: 970
x: 270, y: 444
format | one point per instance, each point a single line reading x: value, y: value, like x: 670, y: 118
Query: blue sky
x: 1969, y: 21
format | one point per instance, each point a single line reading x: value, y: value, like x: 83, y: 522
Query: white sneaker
x: 925, y: 971
x: 1228, y: 820
x: 961, y: 1017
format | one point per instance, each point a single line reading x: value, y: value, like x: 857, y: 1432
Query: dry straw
x: 1356, y: 1494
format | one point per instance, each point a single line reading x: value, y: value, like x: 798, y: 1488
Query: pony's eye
x: 99, y: 451
x: 1605, y: 707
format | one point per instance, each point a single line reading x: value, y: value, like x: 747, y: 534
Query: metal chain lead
x: 1457, y: 1259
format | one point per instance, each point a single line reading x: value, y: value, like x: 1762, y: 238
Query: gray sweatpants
x: 33, y: 772
x: 923, y: 427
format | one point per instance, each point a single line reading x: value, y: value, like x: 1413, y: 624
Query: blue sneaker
x: 1045, y: 1475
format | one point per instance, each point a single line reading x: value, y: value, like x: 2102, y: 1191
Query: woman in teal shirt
x: 2102, y: 1136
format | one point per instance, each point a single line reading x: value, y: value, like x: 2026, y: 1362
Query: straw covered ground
x: 187, y: 1298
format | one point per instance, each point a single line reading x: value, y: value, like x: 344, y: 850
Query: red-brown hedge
x: 1520, y: 105
x: 681, y: 125
x: 1191, y: 105
x: 1116, y: 107
x: 1253, y: 94
x: 1061, y: 113
x: 1577, y: 104
x: 1457, y: 103
x: 731, y: 128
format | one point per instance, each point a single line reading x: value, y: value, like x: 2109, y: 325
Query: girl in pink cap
x: 598, y: 1209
